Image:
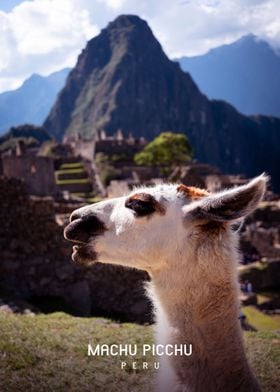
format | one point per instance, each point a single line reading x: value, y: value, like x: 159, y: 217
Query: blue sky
x: 8, y: 5
x: 42, y: 36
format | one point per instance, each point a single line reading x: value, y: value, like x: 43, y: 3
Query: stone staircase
x: 79, y: 177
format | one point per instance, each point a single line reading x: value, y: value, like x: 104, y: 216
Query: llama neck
x: 199, y: 300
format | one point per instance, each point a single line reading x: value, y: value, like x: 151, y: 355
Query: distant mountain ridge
x: 31, y: 102
x: 123, y: 79
x: 245, y: 73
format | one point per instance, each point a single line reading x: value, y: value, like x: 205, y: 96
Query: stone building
x: 118, y: 144
x: 80, y: 147
x: 37, y: 172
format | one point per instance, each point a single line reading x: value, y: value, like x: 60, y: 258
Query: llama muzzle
x: 81, y: 229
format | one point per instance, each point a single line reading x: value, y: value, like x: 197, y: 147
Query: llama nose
x: 75, y: 215
x: 82, y: 228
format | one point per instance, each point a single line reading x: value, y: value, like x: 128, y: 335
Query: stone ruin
x: 36, y: 171
x: 118, y: 143
x: 38, y: 167
x: 36, y: 266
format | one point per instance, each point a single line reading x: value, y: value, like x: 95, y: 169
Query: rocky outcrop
x: 123, y: 79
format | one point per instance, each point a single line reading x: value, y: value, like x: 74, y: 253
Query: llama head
x: 152, y: 225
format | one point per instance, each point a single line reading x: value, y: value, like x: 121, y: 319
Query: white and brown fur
x: 184, y: 238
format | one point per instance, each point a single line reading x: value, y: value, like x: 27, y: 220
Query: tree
x: 167, y: 150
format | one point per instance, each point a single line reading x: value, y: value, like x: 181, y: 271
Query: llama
x: 186, y: 239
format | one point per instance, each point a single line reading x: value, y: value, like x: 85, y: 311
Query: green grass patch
x: 75, y: 165
x: 49, y: 353
x: 261, y: 321
x: 74, y: 181
x: 71, y: 171
x: 263, y: 352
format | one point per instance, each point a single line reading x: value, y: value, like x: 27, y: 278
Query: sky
x: 43, y: 36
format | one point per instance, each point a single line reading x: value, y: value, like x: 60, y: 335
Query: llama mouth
x: 83, y: 254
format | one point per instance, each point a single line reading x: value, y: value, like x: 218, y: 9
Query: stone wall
x: 262, y: 230
x: 114, y: 146
x: 37, y: 172
x: 36, y: 263
x: 84, y: 149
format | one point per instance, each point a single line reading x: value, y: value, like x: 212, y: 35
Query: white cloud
x: 196, y: 26
x: 46, y: 35
x: 41, y: 36
x: 114, y: 4
x: 49, y: 25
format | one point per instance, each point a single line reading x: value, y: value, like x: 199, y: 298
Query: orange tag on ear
x: 192, y: 191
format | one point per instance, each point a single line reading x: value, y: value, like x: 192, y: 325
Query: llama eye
x: 141, y: 207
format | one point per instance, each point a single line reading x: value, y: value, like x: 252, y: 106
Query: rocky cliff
x: 124, y: 80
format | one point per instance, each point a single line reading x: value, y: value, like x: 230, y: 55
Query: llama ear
x: 231, y: 204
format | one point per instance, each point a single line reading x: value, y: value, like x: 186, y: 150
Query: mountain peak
x: 34, y: 78
x: 251, y: 40
x: 126, y: 20
x: 124, y: 26
x: 248, y: 38
x: 124, y: 56
x: 127, y: 29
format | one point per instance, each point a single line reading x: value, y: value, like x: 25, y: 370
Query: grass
x: 70, y: 171
x: 49, y: 353
x: 260, y: 320
x: 75, y: 165
x: 263, y: 351
x: 73, y: 181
